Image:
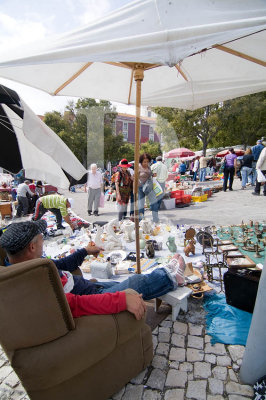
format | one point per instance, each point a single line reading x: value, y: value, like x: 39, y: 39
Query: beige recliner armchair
x: 57, y: 357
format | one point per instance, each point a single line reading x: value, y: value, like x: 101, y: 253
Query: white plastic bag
x: 260, y: 176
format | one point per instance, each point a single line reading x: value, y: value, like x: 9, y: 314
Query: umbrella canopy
x: 26, y: 142
x: 179, y: 152
x: 194, y: 53
x: 226, y: 151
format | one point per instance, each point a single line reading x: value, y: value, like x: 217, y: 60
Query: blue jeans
x: 153, y: 203
x: 245, y: 172
x: 195, y: 175
x: 160, y: 198
x: 202, y: 174
x: 152, y: 285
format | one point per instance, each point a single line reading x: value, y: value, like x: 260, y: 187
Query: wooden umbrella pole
x: 138, y: 76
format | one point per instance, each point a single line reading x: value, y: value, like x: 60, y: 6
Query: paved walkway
x: 185, y: 365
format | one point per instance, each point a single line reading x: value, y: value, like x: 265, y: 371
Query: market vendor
x: 24, y: 241
x: 58, y: 205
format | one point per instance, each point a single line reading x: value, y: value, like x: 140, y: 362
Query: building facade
x: 125, y: 125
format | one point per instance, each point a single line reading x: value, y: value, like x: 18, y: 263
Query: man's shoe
x: 89, y: 212
x: 96, y: 213
x: 231, y: 189
x: 60, y: 227
x: 255, y: 194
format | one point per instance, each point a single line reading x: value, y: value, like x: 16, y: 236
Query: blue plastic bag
x: 226, y: 324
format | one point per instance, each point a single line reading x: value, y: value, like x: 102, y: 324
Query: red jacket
x: 88, y: 304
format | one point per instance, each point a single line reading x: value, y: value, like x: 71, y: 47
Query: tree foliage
x: 152, y: 148
x: 238, y: 121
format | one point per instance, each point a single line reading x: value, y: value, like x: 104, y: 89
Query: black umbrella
x: 10, y: 158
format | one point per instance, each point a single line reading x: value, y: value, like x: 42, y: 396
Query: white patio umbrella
x: 193, y: 53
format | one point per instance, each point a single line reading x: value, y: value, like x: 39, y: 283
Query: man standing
x: 203, y: 166
x: 94, y: 185
x: 256, y: 150
x: 160, y: 171
x: 23, y: 202
x: 58, y: 205
x: 261, y: 165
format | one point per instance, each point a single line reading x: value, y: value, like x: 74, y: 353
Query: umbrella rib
x: 181, y: 72
x: 87, y: 65
x: 239, y: 54
x: 130, y: 87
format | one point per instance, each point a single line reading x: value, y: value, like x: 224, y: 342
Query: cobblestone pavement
x: 185, y: 366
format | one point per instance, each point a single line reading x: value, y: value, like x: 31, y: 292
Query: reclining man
x: 24, y: 241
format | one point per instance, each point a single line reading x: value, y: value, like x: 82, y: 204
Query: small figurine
x: 171, y: 244
x: 190, y: 248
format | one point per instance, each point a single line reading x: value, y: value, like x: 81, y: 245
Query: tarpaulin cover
x: 226, y: 324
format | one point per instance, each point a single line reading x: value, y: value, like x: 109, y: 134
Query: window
x: 151, y: 133
x: 125, y: 130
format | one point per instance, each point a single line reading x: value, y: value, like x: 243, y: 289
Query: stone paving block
x: 217, y: 397
x: 224, y: 361
x: 12, y: 380
x: 119, y: 395
x: 186, y: 366
x: 197, y: 390
x: 181, y: 328
x: 164, y: 337
x: 207, y: 339
x: 4, y: 372
x: 156, y: 379
x: 160, y: 362
x: 211, y: 358
x: 232, y: 375
x: 236, y: 352
x: 167, y: 324
x: 155, y: 331
x: 174, y: 394
x: 176, y: 378
x: 133, y: 392
x: 139, y: 378
x: 216, y: 386
x: 217, y: 348
x: 2, y: 362
x: 220, y: 373
x: 202, y: 370
x: 190, y: 376
x: 239, y: 362
x: 195, y: 342
x: 164, y: 329
x: 236, y: 388
x: 151, y: 395
x: 195, y: 330
x: 177, y: 354
x: 178, y: 340
x: 163, y: 349
x: 154, y: 342
x: 174, y: 364
x: 235, y: 367
x: 236, y: 397
x: 194, y: 355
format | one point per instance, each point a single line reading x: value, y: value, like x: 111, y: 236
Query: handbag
x: 148, y: 186
x: 101, y: 203
x: 157, y: 188
x: 222, y: 167
x: 260, y: 176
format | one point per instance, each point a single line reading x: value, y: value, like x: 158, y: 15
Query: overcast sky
x: 25, y: 21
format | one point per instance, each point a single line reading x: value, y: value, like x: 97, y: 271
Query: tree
x: 194, y: 129
x: 127, y: 151
x: 152, y: 148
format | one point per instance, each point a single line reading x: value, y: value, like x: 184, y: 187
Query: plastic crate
x: 186, y: 199
x: 199, y: 199
x: 177, y: 194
